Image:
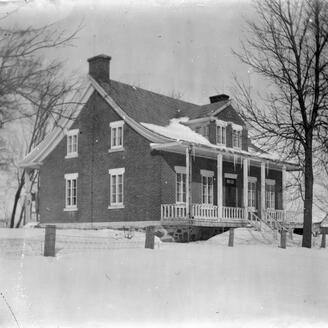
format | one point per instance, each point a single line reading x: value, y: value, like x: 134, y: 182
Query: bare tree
x: 288, y: 46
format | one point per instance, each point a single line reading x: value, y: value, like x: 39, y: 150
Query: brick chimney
x: 218, y: 98
x: 99, y: 67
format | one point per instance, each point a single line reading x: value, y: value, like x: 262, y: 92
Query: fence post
x: 150, y: 237
x: 50, y: 240
x: 283, y: 238
x: 323, y: 239
x: 291, y: 233
x: 231, y: 237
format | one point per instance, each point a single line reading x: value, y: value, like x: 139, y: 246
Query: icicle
x: 234, y: 162
x: 249, y: 167
x: 267, y: 167
x: 193, y: 153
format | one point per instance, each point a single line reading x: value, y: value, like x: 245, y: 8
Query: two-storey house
x: 131, y: 156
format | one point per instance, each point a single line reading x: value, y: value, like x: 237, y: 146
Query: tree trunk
x: 17, y: 196
x: 308, y: 200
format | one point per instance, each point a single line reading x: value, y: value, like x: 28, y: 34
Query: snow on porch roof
x: 183, y: 135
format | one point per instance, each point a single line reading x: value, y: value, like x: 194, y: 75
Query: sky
x: 181, y: 48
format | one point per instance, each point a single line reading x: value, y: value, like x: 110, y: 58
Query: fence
x: 66, y: 243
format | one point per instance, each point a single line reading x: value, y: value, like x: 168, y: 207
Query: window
x: 181, y: 179
x: 236, y: 135
x: 252, y: 192
x: 71, y: 191
x: 116, y: 186
x: 207, y: 186
x: 221, y: 132
x: 270, y: 193
x: 72, y: 143
x: 116, y: 135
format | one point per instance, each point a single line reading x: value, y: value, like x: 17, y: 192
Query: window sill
x: 70, y: 209
x: 72, y: 155
x: 114, y: 150
x: 113, y: 207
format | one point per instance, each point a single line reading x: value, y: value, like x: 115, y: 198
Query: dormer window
x: 236, y: 135
x: 72, y: 143
x: 116, y: 135
x: 221, y: 132
x: 203, y: 130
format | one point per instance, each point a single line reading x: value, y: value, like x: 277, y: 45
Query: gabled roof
x: 207, y: 110
x: 147, y: 106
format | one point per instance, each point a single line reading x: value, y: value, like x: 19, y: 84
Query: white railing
x: 233, y: 213
x: 277, y: 215
x: 173, y: 211
x: 200, y: 211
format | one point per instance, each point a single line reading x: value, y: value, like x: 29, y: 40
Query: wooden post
x: 284, y: 202
x: 323, y: 239
x: 28, y: 197
x: 262, y: 190
x: 283, y: 238
x: 219, y: 184
x: 231, y: 237
x: 291, y: 233
x: 50, y: 241
x: 150, y: 237
x: 245, y: 186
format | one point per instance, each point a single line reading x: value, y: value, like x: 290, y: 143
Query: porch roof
x: 211, y: 151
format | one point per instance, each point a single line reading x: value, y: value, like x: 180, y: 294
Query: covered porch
x: 234, y: 197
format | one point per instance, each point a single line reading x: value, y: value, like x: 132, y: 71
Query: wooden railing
x: 173, y: 211
x: 201, y: 211
x: 233, y: 213
x: 278, y: 215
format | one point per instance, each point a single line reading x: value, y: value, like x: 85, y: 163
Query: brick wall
x: 141, y: 179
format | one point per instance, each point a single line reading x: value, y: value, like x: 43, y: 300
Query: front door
x: 230, y: 188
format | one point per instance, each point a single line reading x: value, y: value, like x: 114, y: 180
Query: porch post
x: 262, y: 190
x: 283, y: 189
x: 245, y: 186
x: 28, y: 196
x: 219, y: 184
x: 188, y: 181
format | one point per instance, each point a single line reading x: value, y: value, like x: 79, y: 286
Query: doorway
x: 230, y: 192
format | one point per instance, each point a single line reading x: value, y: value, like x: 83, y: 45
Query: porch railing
x: 201, y: 211
x: 233, y: 213
x: 278, y: 215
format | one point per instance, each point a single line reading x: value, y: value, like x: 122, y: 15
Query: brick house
x: 131, y: 156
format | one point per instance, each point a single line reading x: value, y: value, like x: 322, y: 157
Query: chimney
x: 218, y: 98
x: 99, y: 67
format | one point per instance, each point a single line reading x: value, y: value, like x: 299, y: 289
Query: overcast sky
x: 181, y: 47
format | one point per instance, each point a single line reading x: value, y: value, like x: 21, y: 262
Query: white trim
x: 120, y: 170
x: 114, y: 150
x: 236, y: 127
x: 116, y: 172
x: 180, y: 169
x: 207, y: 173
x: 221, y: 123
x: 113, y: 207
x: 72, y: 132
x: 270, y: 182
x: 71, y: 209
x: 252, y: 179
x: 69, y: 139
x: 53, y: 138
x: 230, y: 176
x: 116, y: 124
x: 69, y: 176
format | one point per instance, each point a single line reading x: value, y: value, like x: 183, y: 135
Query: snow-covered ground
x: 253, y: 284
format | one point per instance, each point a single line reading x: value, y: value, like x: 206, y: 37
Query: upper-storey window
x: 236, y: 135
x: 72, y: 143
x: 221, y: 132
x: 116, y: 135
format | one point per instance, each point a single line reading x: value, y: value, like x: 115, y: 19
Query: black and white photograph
x: 163, y: 163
